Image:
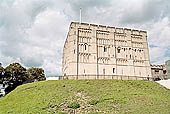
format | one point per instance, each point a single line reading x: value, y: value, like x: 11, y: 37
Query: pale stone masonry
x: 98, y: 50
x: 159, y: 72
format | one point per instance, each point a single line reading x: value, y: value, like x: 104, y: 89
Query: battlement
x: 134, y: 31
x: 157, y: 66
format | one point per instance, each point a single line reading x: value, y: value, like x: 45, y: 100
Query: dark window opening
x: 157, y: 71
x: 113, y: 70
x: 85, y: 47
x: 130, y: 56
x: 164, y: 71
x: 74, y: 51
x: 103, y: 71
x: 105, y: 49
x: 118, y: 50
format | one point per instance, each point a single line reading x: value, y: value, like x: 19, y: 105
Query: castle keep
x: 96, y: 51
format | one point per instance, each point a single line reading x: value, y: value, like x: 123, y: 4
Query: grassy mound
x: 87, y: 97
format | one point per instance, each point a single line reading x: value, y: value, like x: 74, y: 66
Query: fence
x: 118, y: 77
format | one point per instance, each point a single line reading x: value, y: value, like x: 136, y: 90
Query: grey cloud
x: 33, y: 32
x: 88, y: 7
x: 32, y: 61
x: 85, y: 4
x: 147, y: 10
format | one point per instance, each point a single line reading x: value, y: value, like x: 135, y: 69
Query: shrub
x: 74, y: 105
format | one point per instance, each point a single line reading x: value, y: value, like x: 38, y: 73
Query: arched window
x: 113, y: 70
x: 118, y: 50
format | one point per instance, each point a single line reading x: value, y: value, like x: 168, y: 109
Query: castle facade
x: 97, y: 50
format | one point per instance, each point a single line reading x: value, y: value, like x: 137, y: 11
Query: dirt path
x: 165, y: 83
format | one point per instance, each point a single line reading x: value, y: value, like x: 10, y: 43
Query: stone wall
x: 92, y: 49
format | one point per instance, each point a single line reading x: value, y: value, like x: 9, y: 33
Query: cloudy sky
x: 33, y: 32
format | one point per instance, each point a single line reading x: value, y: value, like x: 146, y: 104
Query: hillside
x: 88, y: 96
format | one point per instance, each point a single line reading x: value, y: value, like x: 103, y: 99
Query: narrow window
x: 113, y: 70
x: 103, y: 71
x: 74, y: 51
x: 85, y: 47
x: 105, y: 49
x: 130, y: 56
x: 118, y: 50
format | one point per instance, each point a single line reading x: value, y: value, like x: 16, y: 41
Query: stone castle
x: 96, y: 51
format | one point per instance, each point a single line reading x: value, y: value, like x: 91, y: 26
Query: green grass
x: 92, y: 96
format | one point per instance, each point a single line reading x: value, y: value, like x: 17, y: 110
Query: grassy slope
x: 113, y: 96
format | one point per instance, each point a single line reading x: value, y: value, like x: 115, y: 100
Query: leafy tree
x: 15, y: 75
x: 2, y: 71
x: 36, y: 74
x: 167, y: 64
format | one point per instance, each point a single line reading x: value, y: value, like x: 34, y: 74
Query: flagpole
x: 80, y: 16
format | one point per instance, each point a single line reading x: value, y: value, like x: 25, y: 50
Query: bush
x: 74, y: 105
x: 93, y: 102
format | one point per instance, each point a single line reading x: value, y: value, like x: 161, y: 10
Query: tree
x: 36, y: 74
x: 167, y: 65
x: 15, y: 75
x: 2, y: 71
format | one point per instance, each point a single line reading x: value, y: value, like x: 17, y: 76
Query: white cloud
x: 33, y: 32
x: 159, y: 39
